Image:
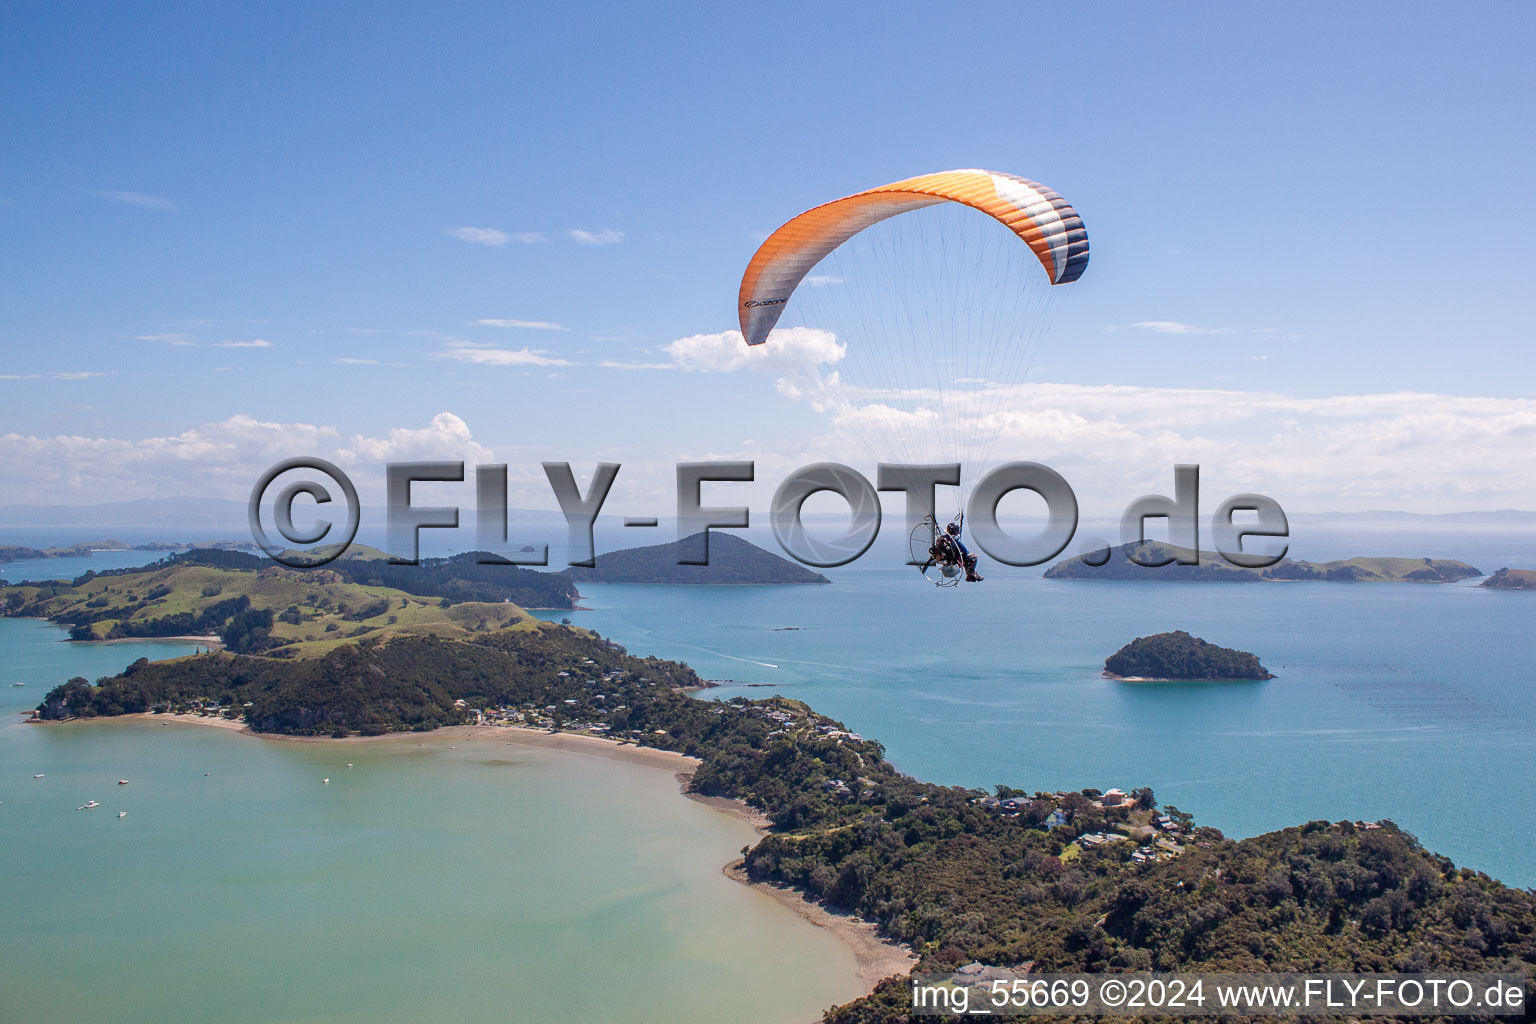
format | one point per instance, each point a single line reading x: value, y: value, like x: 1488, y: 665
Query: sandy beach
x: 876, y: 958
x: 212, y: 641
x: 216, y: 722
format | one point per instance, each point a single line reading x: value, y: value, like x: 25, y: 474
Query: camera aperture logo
x: 918, y: 484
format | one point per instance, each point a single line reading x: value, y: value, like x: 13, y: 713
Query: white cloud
x: 463, y: 352
x: 253, y: 343
x: 822, y: 280
x: 140, y: 199
x: 480, y: 236
x: 349, y: 361
x: 180, y: 339
x: 1414, y: 451
x: 528, y: 237
x: 613, y: 364
x: 533, y: 325
x: 787, y: 350
x: 221, y: 459
x: 446, y: 437
x: 1169, y: 327
x: 607, y: 236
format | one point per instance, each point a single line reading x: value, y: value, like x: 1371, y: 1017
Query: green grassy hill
x: 459, y: 578
x: 288, y: 612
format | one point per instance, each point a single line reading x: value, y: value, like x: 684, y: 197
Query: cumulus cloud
x: 447, y: 437
x: 480, y: 236
x: 787, y: 349
x: 607, y: 236
x: 139, y: 199
x: 220, y: 460
x: 480, y: 355
x: 1416, y: 451
x: 533, y: 325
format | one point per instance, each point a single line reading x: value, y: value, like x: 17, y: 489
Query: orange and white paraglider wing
x: 1045, y: 222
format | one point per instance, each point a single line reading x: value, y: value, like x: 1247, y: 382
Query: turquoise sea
x: 69, y: 568
x: 432, y: 881
x: 472, y: 882
x: 1402, y: 701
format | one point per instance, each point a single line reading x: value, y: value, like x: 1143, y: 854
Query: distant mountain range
x: 1212, y: 568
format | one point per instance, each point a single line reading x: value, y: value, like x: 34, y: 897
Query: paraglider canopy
x: 1043, y: 220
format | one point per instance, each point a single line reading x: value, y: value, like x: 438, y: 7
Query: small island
x: 22, y: 553
x: 732, y: 561
x: 1179, y: 657
x: 1511, y: 579
x: 85, y: 548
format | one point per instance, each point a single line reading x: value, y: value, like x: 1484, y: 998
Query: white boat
x: 326, y: 781
x: 88, y: 805
x: 38, y: 775
x: 122, y: 814
x: 18, y: 684
x: 122, y: 782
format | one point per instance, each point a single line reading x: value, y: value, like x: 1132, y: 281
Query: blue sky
x: 1300, y: 204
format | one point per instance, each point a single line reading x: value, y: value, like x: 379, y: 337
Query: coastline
x: 875, y: 958
x: 210, y: 641
x: 1151, y: 679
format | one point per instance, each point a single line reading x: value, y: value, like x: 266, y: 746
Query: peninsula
x: 253, y: 605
